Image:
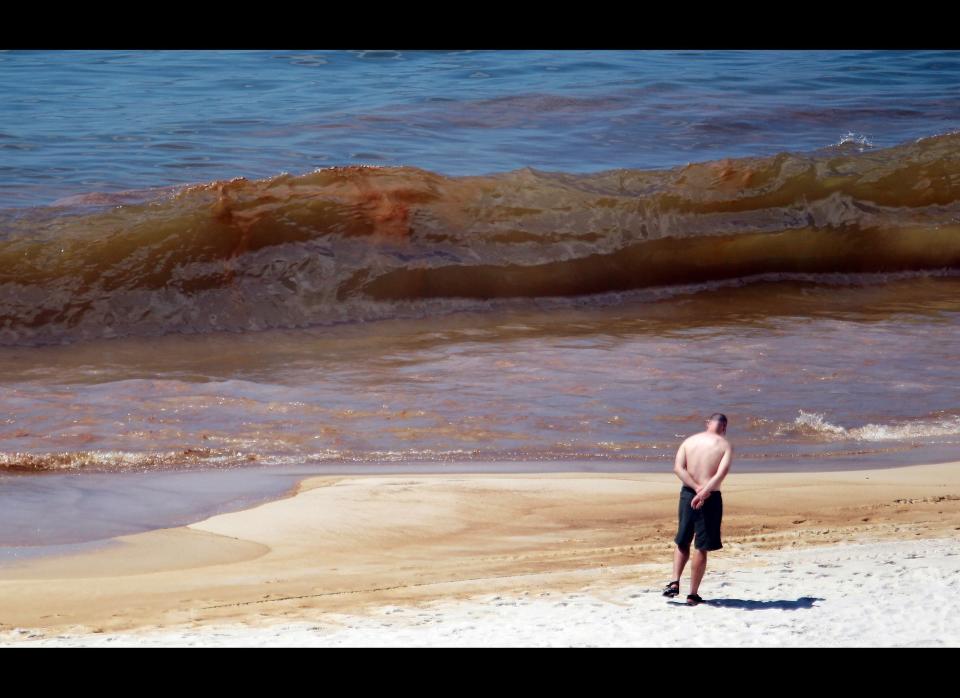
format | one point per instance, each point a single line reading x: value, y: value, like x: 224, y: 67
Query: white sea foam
x: 815, y: 423
x: 855, y: 139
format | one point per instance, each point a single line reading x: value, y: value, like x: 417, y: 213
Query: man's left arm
x: 680, y: 467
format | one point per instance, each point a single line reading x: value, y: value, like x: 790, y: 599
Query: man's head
x: 717, y: 423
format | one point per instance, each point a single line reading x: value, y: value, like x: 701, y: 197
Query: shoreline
x: 49, y: 513
x: 350, y: 545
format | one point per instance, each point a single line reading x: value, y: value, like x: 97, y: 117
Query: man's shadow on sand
x: 782, y: 604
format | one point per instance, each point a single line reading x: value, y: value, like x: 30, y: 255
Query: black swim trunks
x: 705, y: 521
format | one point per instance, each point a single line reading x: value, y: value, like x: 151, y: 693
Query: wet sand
x: 356, y: 544
x: 57, y: 513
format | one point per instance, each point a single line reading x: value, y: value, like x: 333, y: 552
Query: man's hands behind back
x: 700, y: 497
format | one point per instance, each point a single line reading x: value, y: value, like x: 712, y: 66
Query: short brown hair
x: 718, y: 417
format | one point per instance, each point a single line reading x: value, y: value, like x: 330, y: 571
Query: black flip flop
x: 672, y: 589
x: 693, y: 599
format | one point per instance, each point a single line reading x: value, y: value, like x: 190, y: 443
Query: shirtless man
x: 703, y: 460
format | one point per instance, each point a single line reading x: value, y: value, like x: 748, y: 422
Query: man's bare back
x: 703, y: 453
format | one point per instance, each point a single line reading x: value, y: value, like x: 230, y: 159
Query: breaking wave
x: 349, y: 244
x: 815, y: 424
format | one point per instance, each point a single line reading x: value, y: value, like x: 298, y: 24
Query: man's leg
x: 708, y: 538
x: 680, y: 557
x: 697, y: 569
x: 685, y: 532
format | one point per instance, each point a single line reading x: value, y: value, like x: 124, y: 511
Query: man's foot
x: 672, y: 589
x: 693, y: 599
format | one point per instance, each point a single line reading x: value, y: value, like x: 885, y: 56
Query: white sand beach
x: 857, y: 558
x: 886, y: 594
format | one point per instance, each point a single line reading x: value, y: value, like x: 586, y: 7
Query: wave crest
x: 815, y: 424
x: 354, y: 243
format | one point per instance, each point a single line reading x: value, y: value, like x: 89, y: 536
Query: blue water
x: 80, y: 122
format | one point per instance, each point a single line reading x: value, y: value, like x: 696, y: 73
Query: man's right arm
x: 722, y: 471
x: 680, y: 468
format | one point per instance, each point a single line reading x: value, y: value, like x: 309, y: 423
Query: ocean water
x: 79, y: 122
x: 330, y: 259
